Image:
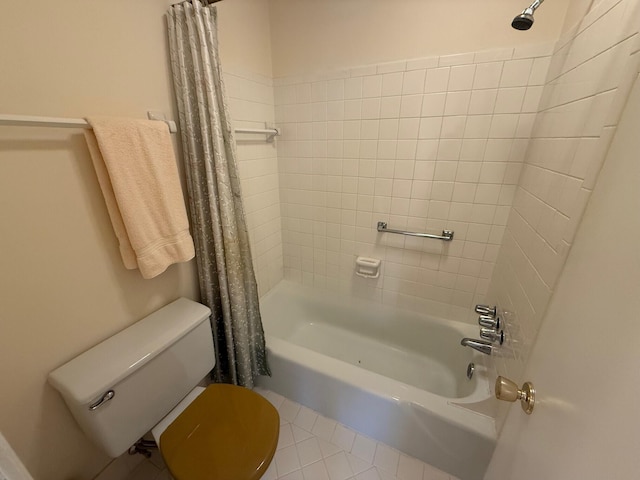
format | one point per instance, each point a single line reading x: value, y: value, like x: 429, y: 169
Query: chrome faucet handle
x: 489, y: 321
x: 492, y: 335
x: 486, y: 310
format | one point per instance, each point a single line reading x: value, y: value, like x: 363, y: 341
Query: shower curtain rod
x: 204, y: 2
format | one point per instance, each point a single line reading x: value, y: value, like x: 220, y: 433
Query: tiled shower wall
x: 425, y: 145
x: 250, y: 99
x: 591, y: 74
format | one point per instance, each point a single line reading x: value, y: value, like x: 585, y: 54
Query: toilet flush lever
x: 105, y: 398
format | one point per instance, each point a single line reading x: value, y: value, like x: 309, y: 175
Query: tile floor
x: 313, y: 447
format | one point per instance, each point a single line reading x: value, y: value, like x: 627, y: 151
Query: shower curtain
x: 226, y: 276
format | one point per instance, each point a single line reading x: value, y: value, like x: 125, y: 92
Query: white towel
x: 138, y: 175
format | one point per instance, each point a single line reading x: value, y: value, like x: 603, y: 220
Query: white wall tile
x: 437, y: 80
x: 487, y: 75
x: 427, y: 143
x: 461, y: 77
x: 457, y: 103
x: 411, y: 105
x: 413, y: 82
x: 353, y: 88
x: 390, y: 107
x: 392, y: 84
x: 515, y: 73
x: 482, y: 101
x: 335, y: 89
x: 510, y: 100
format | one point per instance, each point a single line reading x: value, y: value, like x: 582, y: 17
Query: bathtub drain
x: 470, y: 369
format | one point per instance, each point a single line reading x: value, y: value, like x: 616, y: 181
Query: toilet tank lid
x: 89, y: 375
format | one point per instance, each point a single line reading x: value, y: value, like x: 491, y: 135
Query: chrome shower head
x: 524, y: 21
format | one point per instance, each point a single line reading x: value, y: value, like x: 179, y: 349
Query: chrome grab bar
x: 447, y: 235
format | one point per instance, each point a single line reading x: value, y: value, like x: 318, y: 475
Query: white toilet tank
x: 150, y: 366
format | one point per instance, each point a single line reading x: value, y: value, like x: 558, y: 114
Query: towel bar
x: 60, y: 122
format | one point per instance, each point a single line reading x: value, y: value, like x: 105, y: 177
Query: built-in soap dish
x: 368, y: 267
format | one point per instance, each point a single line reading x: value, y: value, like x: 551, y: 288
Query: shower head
x: 524, y: 21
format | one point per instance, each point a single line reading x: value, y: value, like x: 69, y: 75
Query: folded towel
x: 138, y: 175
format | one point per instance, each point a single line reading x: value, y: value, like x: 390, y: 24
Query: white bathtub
x: 396, y: 376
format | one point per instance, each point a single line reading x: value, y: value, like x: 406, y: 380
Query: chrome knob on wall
x: 492, y: 335
x: 490, y: 322
x: 486, y: 310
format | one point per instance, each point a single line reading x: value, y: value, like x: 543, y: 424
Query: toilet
x: 145, y: 378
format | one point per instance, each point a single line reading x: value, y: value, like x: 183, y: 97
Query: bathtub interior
x: 396, y: 376
x: 418, y: 351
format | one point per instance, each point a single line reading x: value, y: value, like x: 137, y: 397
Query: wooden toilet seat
x: 226, y: 433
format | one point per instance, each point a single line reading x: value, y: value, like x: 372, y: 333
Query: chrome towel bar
x: 447, y: 235
x: 269, y: 132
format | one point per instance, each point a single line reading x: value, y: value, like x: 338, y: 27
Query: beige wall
x: 316, y: 35
x: 62, y: 283
x: 245, y: 31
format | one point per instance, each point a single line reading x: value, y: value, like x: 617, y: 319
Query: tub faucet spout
x: 480, y: 345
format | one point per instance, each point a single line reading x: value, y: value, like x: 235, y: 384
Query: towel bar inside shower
x: 447, y: 235
x: 271, y: 133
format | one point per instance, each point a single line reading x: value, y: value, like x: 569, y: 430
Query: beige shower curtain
x: 227, y: 279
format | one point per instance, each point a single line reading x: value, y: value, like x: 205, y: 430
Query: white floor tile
x: 370, y: 474
x: 271, y: 473
x: 357, y: 464
x: 327, y: 448
x: 364, y: 448
x: 338, y: 466
x: 386, y: 458
x: 275, y: 399
x: 410, y: 468
x: 164, y: 475
x: 316, y: 471
x: 297, y: 475
x: 343, y: 437
x: 287, y: 460
x: 309, y: 451
x: 286, y: 436
x: 145, y: 471
x: 324, y: 428
x: 300, y: 434
x: 305, y: 418
x: 384, y: 475
x: 288, y: 410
